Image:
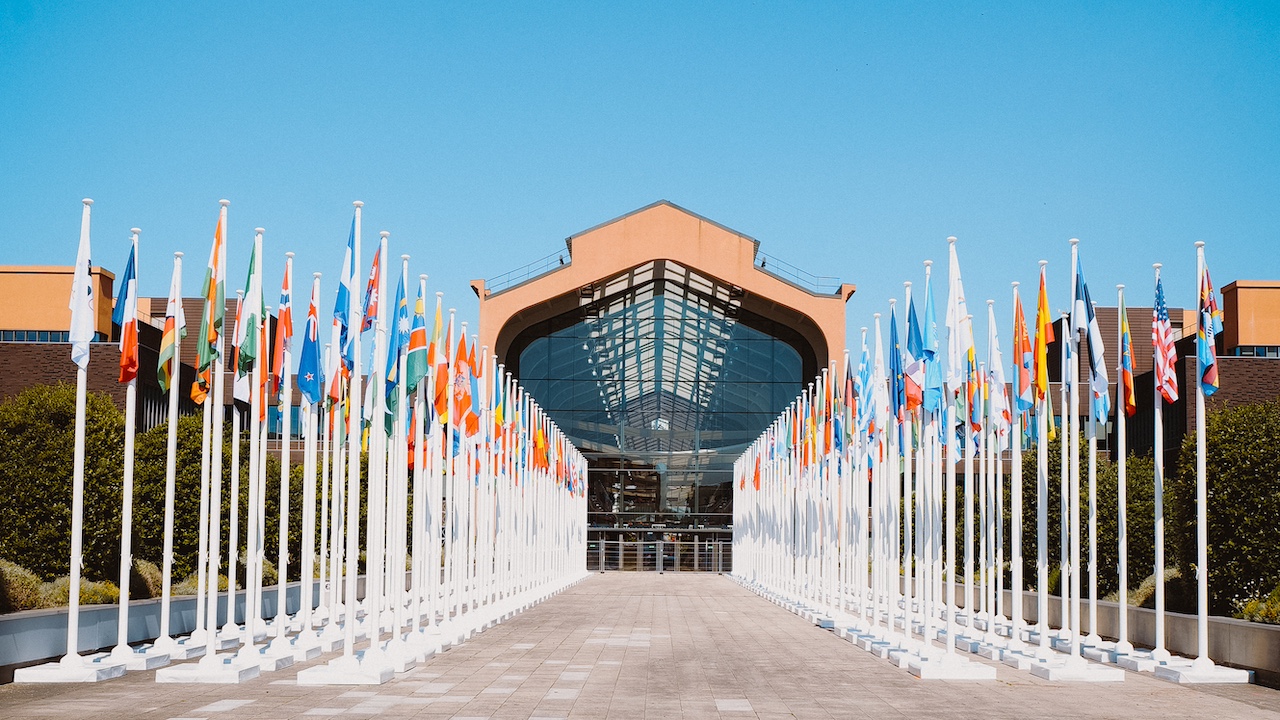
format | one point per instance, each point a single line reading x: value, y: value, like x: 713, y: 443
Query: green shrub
x: 146, y: 581
x: 1263, y: 610
x: 19, y: 588
x: 1243, y: 506
x: 57, y: 593
x: 190, y: 584
x: 37, y: 429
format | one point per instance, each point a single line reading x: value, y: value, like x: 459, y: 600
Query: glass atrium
x: 662, y: 379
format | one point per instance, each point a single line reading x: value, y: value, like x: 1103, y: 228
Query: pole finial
x: 224, y: 202
x: 1074, y: 241
x: 1015, y: 283
x: 358, y: 203
x: 177, y: 254
x: 440, y: 294
x: 990, y: 302
x: 928, y: 263
x: 423, y: 277
x: 906, y: 284
x: 1043, y: 263
x: 405, y: 257
x: 135, y: 231
x: 289, y: 255
x: 384, y: 234
x: 87, y: 201
x: 1199, y: 243
x: 259, y: 230
x: 1120, y: 286
x: 315, y: 275
x: 1157, y: 266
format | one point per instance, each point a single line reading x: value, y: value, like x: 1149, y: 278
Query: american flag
x: 1166, y: 357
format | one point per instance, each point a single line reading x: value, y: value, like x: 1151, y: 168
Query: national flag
x: 1044, y: 336
x: 310, y: 373
x: 1130, y: 401
x: 1209, y: 324
x: 214, y: 294
x: 397, y: 342
x: 913, y: 361
x: 247, y: 336
x: 1024, y: 361
x: 240, y: 391
x: 462, y: 384
x: 897, y: 379
x: 342, y: 308
x: 931, y: 398
x: 82, y: 301
x: 418, y: 358
x: 1166, y: 355
x: 125, y: 315
x: 863, y: 391
x: 175, y: 329
x: 438, y: 353
x: 475, y: 374
x: 372, y: 291
x: 284, y: 329
x: 1083, y: 318
x: 999, y: 412
x: 959, y: 329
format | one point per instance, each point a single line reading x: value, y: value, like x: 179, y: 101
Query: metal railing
x: 538, y: 267
x: 661, y: 555
x: 783, y: 270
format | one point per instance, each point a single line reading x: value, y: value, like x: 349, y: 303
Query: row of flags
x: 463, y: 382
x: 837, y: 416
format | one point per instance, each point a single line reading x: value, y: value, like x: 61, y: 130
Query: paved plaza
x: 643, y: 645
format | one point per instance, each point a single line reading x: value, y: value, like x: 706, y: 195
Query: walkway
x: 647, y: 646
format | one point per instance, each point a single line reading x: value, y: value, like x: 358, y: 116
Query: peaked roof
x: 568, y: 242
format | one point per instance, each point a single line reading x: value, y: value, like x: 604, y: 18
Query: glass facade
x: 661, y: 379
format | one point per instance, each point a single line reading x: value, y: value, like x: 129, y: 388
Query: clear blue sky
x: 851, y: 139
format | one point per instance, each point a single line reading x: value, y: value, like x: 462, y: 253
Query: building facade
x: 662, y: 344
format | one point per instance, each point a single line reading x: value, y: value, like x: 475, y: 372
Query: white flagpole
x: 352, y: 495
x: 968, y: 449
x: 1159, y: 654
x: 1043, y: 650
x: 216, y: 400
x: 122, y: 651
x: 165, y: 642
x: 233, y: 543
x: 1123, y: 646
x: 1065, y: 570
x: 1202, y: 661
x: 286, y: 407
x: 307, y: 575
x: 1093, y: 638
x: 1015, y: 497
x: 72, y: 657
x: 1074, y: 460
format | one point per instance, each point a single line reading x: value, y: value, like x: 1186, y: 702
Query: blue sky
x: 849, y: 138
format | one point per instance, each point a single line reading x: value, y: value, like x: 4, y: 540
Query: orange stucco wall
x: 35, y: 297
x: 1251, y: 310
x: 662, y: 232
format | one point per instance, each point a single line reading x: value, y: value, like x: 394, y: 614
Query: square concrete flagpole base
x: 1148, y: 660
x: 1204, y: 673
x: 951, y: 667
x: 346, y: 670
x: 227, y: 671
x: 140, y: 659
x: 79, y: 669
x: 1076, y: 669
x: 184, y: 648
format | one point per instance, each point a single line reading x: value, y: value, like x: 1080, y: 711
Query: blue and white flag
x: 1084, y: 319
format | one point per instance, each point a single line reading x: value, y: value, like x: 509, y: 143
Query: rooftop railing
x: 537, y: 268
x: 783, y: 270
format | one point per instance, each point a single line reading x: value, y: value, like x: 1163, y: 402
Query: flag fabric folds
x: 913, y: 361
x: 1207, y: 328
x: 1166, y: 355
x: 371, y: 293
x: 1084, y: 319
x: 82, y: 302
x: 438, y: 353
x: 214, y: 294
x: 175, y: 329
x: 284, y: 330
x: 1129, y: 400
x: 125, y: 315
x: 310, y: 371
x: 1024, y: 361
x: 342, y: 308
x: 418, y: 358
x: 247, y: 335
x: 397, y: 341
x: 932, y: 396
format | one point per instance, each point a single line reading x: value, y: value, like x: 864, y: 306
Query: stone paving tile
x: 645, y: 646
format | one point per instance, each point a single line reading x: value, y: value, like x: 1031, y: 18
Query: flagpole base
x: 184, y: 648
x: 1076, y: 669
x: 147, y: 658
x: 226, y: 671
x: 1149, y: 661
x: 84, y: 669
x: 1193, y: 674
x: 346, y: 670
x: 951, y: 667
